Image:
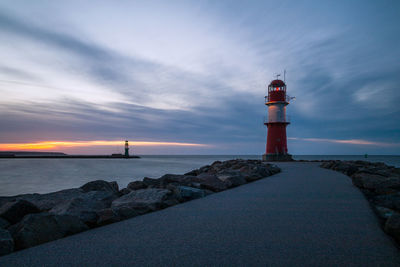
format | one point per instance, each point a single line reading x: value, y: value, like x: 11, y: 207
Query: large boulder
x: 164, y: 181
x: 47, y: 201
x: 273, y: 169
x: 204, y: 169
x: 100, y: 185
x: 232, y: 178
x: 193, y: 173
x: 4, y: 223
x: 327, y: 164
x: 39, y: 228
x: 392, y: 226
x: 107, y: 216
x: 251, y: 173
x: 14, y: 211
x: 342, y: 167
x: 189, y: 193
x: 86, y: 206
x: 6, y: 242
x: 383, y: 213
x: 390, y: 201
x: 124, y: 191
x: 152, y: 183
x: 177, y: 179
x: 136, y: 185
x: 396, y: 171
x: 142, y: 201
x: 211, y: 182
x: 374, y: 181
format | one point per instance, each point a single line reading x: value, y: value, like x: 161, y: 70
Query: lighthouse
x: 126, y: 149
x: 276, y: 101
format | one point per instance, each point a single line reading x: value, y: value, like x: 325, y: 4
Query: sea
x: 22, y: 176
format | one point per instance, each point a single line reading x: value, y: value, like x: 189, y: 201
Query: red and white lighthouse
x: 276, y: 100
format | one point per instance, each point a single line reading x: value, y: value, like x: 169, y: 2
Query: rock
x: 373, y: 181
x: 176, y: 179
x: 114, y: 185
x: 392, y: 226
x: 342, y: 167
x: 136, y: 185
x: 6, y: 242
x: 4, y: 223
x: 192, y: 173
x: 142, y: 201
x: 204, y: 169
x: 124, y: 191
x: 107, y: 216
x: 86, y: 206
x: 150, y: 182
x: 383, y: 213
x: 391, y: 201
x: 46, y: 202
x: 217, y: 162
x: 211, y: 182
x: 100, y: 185
x: 165, y: 180
x: 39, y: 228
x: 273, y: 169
x: 348, y: 168
x: 189, y: 193
x: 217, y: 166
x: 327, y: 164
x: 238, y: 165
x: 251, y: 176
x: 14, y: 211
x: 352, y: 170
x: 255, y: 172
x: 176, y: 193
x: 232, y: 178
x: 396, y: 171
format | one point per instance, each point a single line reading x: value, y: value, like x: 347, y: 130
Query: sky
x: 189, y: 77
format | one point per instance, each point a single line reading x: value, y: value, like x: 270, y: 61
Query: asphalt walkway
x: 303, y: 216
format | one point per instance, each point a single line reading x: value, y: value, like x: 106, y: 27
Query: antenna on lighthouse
x: 284, y: 76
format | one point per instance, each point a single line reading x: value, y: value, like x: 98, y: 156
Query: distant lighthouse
x: 276, y: 100
x: 126, y: 149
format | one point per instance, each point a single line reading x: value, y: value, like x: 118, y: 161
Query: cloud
x: 197, y: 73
x: 350, y: 141
x: 46, y: 145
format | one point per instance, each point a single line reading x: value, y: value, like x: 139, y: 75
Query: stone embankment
x: 33, y: 219
x: 381, y: 186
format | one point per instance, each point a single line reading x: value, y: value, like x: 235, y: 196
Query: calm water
x: 19, y: 176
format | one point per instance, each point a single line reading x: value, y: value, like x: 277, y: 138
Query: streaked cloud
x: 350, y: 141
x: 59, y: 145
x: 196, y: 72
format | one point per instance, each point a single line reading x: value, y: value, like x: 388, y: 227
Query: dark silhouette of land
x: 57, y: 155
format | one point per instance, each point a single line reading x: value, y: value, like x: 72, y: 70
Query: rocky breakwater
x: 381, y: 186
x: 32, y: 219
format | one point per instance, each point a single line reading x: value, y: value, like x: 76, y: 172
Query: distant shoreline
x: 70, y: 157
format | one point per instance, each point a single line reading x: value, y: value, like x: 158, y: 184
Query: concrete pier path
x: 303, y: 216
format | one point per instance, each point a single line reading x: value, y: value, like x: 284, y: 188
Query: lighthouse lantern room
x: 276, y: 100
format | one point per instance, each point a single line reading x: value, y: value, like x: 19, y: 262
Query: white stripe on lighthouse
x: 277, y: 112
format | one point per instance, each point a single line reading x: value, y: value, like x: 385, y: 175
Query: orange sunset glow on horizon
x: 45, y: 145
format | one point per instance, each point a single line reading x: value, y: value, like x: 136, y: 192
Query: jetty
x: 303, y: 216
x: 59, y: 155
x: 70, y: 157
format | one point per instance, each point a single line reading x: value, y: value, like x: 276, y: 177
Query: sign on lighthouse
x: 276, y: 100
